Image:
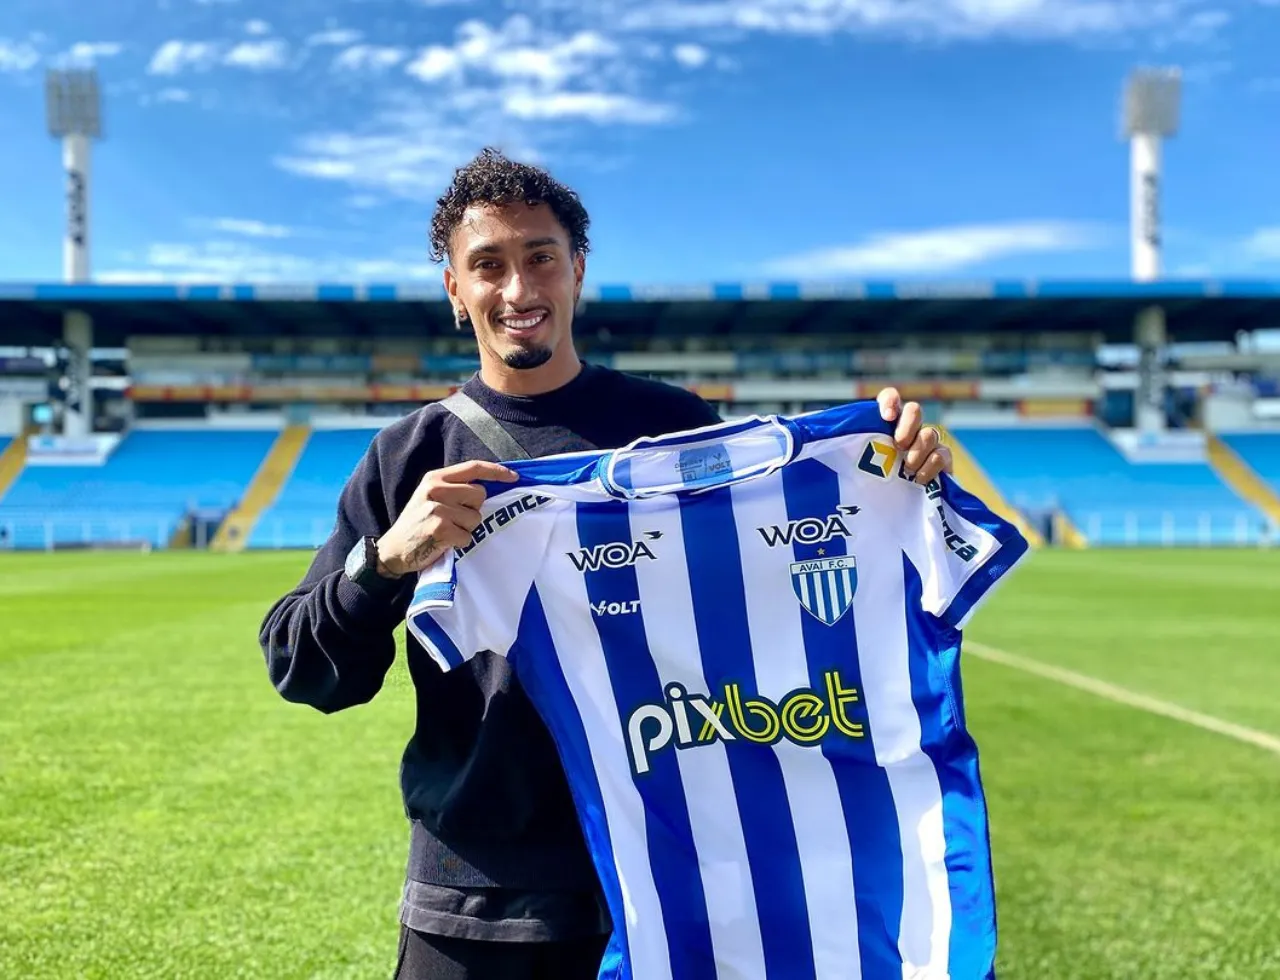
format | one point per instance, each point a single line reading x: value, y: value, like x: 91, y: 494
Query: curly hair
x: 492, y: 179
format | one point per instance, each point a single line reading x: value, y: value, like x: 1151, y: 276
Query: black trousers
x: 425, y: 957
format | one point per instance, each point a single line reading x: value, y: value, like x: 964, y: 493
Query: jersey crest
x: 825, y: 586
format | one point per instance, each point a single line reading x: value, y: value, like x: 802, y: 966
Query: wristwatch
x: 362, y: 568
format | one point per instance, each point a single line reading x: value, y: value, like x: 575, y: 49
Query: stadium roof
x: 1196, y: 310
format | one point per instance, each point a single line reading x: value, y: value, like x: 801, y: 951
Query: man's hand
x: 441, y: 514
x: 926, y: 455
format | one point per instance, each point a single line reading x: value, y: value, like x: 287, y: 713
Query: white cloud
x: 172, y: 57
x: 1263, y: 245
x: 434, y: 63
x: 220, y: 261
x: 88, y: 52
x: 258, y: 55
x: 17, y: 56
x: 173, y: 95
x: 1197, y: 28
x: 515, y: 51
x: 691, y: 55
x: 558, y: 63
x: 337, y: 38
x: 497, y: 85
x: 369, y: 57
x: 328, y: 157
x: 1206, y: 71
x: 1265, y: 86
x: 936, y: 250
x: 598, y: 107
x: 258, y: 28
x: 250, y: 228
x: 410, y: 147
x: 971, y: 19
x: 139, y: 277
x: 389, y: 158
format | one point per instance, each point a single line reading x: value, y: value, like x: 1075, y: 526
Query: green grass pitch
x: 164, y: 814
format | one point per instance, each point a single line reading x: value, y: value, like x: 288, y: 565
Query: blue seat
x: 1261, y: 450
x: 141, y: 492
x: 303, y: 514
x: 1110, y: 499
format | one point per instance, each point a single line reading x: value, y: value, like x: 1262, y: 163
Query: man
x: 499, y: 881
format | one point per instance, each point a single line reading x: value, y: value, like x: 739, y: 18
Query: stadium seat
x: 1110, y: 499
x: 303, y: 514
x: 142, y: 492
x: 1261, y: 450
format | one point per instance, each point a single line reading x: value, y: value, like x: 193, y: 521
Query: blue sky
x: 710, y: 140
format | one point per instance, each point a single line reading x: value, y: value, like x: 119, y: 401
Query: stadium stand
x: 273, y: 473
x: 1111, y: 500
x: 142, y: 494
x: 1236, y: 471
x: 1039, y: 383
x: 10, y: 467
x: 974, y: 479
x: 302, y: 514
x: 1260, y: 450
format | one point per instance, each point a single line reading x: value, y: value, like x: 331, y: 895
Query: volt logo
x: 810, y: 530
x: 804, y: 717
x: 603, y: 608
x: 500, y: 518
x: 615, y: 554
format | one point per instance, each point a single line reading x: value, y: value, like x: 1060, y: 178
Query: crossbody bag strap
x: 484, y: 427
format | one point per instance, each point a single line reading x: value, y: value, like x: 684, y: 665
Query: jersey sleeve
x: 471, y: 600
x: 961, y: 549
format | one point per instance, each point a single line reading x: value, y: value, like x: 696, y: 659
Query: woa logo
x: 810, y: 530
x: 614, y: 554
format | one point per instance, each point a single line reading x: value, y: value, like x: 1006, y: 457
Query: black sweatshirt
x: 496, y: 850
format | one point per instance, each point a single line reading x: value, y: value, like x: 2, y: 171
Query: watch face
x: 355, y: 560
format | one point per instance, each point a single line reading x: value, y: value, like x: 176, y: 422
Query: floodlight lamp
x: 73, y: 103
x: 1152, y: 104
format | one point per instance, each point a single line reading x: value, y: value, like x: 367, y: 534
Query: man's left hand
x: 926, y: 456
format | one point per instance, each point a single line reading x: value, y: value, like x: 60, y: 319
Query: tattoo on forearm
x: 424, y: 550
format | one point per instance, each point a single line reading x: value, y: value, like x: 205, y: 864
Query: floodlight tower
x: 74, y: 109
x: 1151, y: 114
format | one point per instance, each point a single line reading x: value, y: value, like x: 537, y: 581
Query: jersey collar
x: 702, y: 459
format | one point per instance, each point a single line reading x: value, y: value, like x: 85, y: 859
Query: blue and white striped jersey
x: 745, y: 640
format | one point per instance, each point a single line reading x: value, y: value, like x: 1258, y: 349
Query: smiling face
x: 513, y: 273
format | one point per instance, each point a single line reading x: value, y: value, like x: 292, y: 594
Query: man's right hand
x: 441, y: 514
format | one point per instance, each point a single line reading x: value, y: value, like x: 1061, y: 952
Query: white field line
x: 1120, y: 695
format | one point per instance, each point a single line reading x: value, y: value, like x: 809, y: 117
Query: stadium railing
x: 96, y: 531
x: 1181, y: 528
